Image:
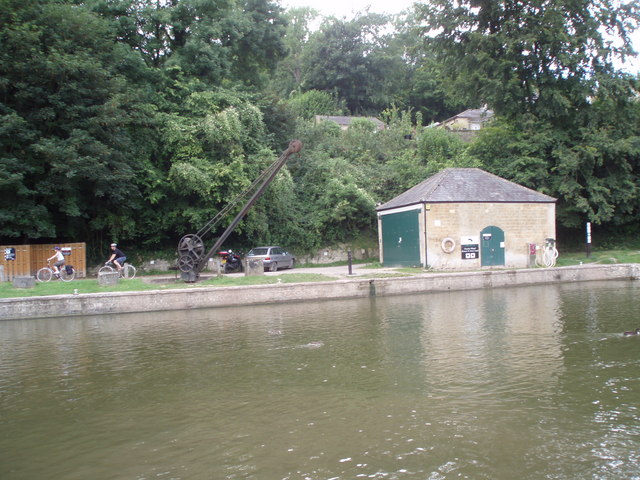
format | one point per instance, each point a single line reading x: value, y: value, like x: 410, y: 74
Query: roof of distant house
x: 473, y: 114
x: 466, y: 185
x: 346, y: 121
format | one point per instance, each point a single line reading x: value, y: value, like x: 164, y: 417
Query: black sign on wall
x: 470, y: 252
x: 9, y: 253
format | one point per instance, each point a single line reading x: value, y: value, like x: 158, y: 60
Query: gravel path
x: 333, y: 271
x: 341, y: 271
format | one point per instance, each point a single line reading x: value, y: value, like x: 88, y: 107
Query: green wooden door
x: 401, y: 238
x: 491, y: 246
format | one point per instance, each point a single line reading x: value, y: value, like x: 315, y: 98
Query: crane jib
x: 191, y: 250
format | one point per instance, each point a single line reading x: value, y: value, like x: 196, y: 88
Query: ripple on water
x: 513, y: 383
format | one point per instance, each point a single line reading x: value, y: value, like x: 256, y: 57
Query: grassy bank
x: 603, y: 257
x: 90, y: 285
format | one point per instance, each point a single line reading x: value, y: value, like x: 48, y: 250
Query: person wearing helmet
x: 59, y: 260
x: 117, y: 257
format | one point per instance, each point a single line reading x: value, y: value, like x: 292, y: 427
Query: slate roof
x: 473, y: 114
x: 466, y: 185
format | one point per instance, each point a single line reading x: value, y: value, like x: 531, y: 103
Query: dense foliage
x: 137, y: 121
x: 569, y: 120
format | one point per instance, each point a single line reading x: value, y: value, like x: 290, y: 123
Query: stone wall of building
x: 338, y: 253
x: 522, y: 223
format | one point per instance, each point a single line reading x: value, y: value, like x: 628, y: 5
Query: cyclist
x: 117, y: 257
x: 59, y: 261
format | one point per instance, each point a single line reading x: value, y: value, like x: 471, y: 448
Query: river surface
x: 512, y: 383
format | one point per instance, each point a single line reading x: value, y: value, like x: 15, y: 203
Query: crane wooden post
x: 192, y: 258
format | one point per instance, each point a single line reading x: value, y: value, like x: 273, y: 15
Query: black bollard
x: 349, y: 261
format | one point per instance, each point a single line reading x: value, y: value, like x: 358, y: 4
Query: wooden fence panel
x: 28, y: 259
x: 15, y: 260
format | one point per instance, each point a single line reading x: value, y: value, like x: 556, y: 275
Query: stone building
x: 472, y: 119
x: 467, y: 124
x: 464, y: 218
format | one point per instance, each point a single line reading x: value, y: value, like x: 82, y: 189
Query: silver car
x: 272, y: 257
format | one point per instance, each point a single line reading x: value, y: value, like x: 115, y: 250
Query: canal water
x: 527, y: 383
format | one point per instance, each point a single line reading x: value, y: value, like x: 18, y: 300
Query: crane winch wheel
x: 186, y: 263
x: 191, y: 254
x: 191, y: 245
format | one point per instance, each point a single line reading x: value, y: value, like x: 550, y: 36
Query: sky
x: 347, y: 8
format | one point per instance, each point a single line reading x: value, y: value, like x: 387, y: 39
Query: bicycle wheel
x: 106, y: 269
x: 129, y: 271
x: 67, y: 277
x: 549, y: 257
x: 44, y: 274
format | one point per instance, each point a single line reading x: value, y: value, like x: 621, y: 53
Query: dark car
x: 273, y: 257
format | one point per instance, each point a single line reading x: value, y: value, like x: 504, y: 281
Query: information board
x: 470, y: 247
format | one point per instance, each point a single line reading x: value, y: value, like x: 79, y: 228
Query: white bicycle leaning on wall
x: 128, y: 271
x: 546, y: 256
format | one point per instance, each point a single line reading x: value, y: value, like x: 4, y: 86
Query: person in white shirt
x: 59, y: 260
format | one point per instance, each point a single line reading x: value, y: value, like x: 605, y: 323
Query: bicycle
x: 128, y: 271
x: 45, y: 274
x: 549, y: 254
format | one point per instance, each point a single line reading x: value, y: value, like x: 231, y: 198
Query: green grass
x: 90, y: 285
x: 603, y: 257
x: 85, y: 285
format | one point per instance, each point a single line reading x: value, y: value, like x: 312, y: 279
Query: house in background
x: 345, y: 122
x: 464, y: 218
x: 467, y: 124
x: 473, y: 119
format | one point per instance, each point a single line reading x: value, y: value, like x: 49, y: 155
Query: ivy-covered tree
x: 336, y: 204
x: 210, y: 156
x: 314, y: 102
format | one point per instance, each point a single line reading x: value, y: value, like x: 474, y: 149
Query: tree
x: 342, y: 57
x: 593, y: 170
x: 540, y: 57
x: 335, y: 203
x: 287, y: 78
x: 314, y: 102
x: 211, y: 152
x: 411, y: 77
x: 260, y: 45
x: 212, y: 40
x: 569, y: 119
x: 69, y: 162
x: 436, y: 149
